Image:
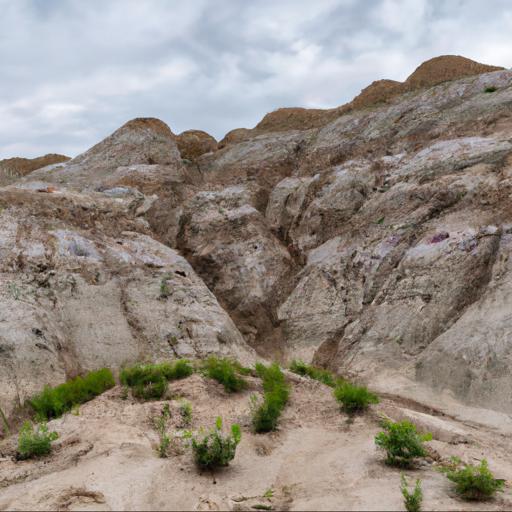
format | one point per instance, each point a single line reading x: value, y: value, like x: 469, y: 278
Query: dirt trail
x: 319, y: 459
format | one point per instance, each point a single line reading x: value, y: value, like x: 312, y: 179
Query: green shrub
x: 226, y: 372
x: 150, y: 387
x: 301, y: 368
x: 490, y: 89
x: 276, y: 394
x: 401, y: 442
x: 216, y: 449
x: 412, y: 501
x: 180, y: 370
x: 354, y: 398
x: 149, y: 381
x: 34, y: 442
x: 53, y: 402
x: 475, y: 482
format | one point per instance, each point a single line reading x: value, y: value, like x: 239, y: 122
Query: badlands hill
x: 374, y: 240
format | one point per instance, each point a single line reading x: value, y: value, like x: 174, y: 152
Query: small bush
x: 149, y: 381
x: 226, y: 372
x: 216, y: 449
x: 301, y: 368
x: 490, y: 89
x: 401, y: 442
x: 475, y: 482
x: 34, y: 442
x: 53, y: 402
x: 150, y: 387
x: 186, y: 412
x: 354, y: 398
x: 276, y: 393
x: 412, y: 501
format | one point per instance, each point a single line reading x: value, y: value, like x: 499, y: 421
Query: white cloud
x: 74, y: 70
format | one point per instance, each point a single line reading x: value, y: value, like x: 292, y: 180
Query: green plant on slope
x: 53, y: 402
x: 186, y: 412
x: 276, y: 394
x: 165, y: 290
x: 490, y: 89
x: 412, y: 500
x: 149, y: 381
x: 474, y: 482
x: 216, y: 449
x: 34, y: 442
x: 354, y: 398
x: 306, y: 370
x: 225, y: 371
x: 161, y: 427
x: 401, y: 442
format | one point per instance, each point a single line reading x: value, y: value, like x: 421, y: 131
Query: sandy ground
x: 319, y: 459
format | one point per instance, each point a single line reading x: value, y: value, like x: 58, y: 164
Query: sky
x: 73, y: 71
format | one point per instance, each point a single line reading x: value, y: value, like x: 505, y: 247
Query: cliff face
x: 374, y: 240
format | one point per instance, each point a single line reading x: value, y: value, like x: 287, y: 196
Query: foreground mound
x: 107, y: 456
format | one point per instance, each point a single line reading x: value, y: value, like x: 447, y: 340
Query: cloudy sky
x: 72, y: 71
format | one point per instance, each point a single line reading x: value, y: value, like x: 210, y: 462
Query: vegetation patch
x: 34, y: 442
x: 161, y: 428
x: 186, y: 412
x: 490, y: 89
x: 306, y: 370
x: 52, y: 402
x: 473, y: 482
x: 276, y: 394
x: 149, y: 381
x: 354, y: 398
x: 401, y: 442
x: 227, y: 372
x: 216, y: 449
x: 412, y: 500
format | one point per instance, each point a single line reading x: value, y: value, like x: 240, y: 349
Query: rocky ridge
x: 374, y: 240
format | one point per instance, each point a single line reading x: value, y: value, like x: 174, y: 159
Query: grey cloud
x: 74, y: 70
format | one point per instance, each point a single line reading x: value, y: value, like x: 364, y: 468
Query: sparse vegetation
x: 412, y: 500
x: 354, y: 398
x: 186, y: 412
x: 161, y: 427
x: 276, y: 393
x: 149, y: 381
x: 53, y: 402
x: 225, y: 371
x: 306, y: 370
x: 165, y: 290
x: 216, y: 449
x: 473, y: 482
x: 490, y: 89
x: 34, y: 442
x: 401, y: 442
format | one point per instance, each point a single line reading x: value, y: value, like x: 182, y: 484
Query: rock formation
x: 374, y: 239
x: 194, y: 143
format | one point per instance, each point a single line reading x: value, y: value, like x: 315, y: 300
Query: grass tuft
x: 226, y: 372
x: 354, y: 398
x: 276, y: 394
x: 306, y: 370
x: 149, y: 381
x: 52, y: 402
